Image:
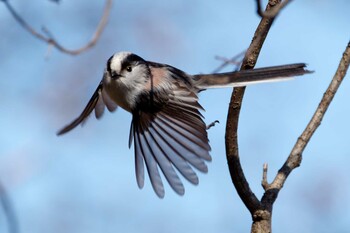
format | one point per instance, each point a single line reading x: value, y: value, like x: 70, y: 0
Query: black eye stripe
x: 109, y: 70
x: 128, y: 62
x: 125, y: 65
x: 131, y: 60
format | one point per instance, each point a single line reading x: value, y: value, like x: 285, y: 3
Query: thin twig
x: 226, y: 62
x: 51, y: 41
x: 295, y: 155
x: 272, y: 12
x: 264, y: 182
x: 259, y: 8
x: 212, y: 124
x: 9, y: 210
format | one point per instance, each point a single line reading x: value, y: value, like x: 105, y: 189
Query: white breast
x: 118, y: 94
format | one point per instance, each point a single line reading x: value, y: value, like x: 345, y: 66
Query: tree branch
x: 261, y: 211
x: 295, y: 156
x: 264, y: 182
x: 272, y: 12
x: 8, y: 210
x: 231, y: 138
x: 51, y: 41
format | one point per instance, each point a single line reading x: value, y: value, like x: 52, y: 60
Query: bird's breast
x: 120, y: 94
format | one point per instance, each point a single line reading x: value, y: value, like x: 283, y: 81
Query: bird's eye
x: 129, y: 68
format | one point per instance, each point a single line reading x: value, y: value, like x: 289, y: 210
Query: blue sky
x: 84, y: 181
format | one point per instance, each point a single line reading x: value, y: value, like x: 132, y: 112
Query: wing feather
x: 111, y: 105
x: 98, y: 101
x: 194, y: 129
x: 151, y: 164
x: 139, y: 161
x: 194, y: 141
x: 86, y: 112
x: 184, y: 146
x: 176, y: 158
x: 170, y: 136
x: 164, y: 163
x: 99, y: 108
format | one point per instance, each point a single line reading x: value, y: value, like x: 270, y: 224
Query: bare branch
x: 231, y: 138
x: 272, y: 12
x: 261, y: 210
x: 9, y: 211
x: 295, y: 155
x: 48, y: 38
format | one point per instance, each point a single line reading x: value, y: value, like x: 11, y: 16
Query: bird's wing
x: 174, y: 136
x: 98, y: 101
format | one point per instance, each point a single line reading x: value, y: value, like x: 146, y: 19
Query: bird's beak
x: 115, y: 76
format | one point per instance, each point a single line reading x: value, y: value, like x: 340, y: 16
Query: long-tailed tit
x: 167, y: 127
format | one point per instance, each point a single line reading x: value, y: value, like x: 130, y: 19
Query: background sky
x: 84, y: 181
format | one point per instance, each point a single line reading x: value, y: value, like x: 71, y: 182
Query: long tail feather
x: 247, y: 77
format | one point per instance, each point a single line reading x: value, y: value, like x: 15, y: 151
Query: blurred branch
x: 227, y: 62
x: 272, y: 12
x: 8, y: 210
x: 295, y: 156
x: 56, y: 1
x: 51, y: 41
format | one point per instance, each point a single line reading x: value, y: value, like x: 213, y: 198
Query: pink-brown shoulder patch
x: 159, y: 75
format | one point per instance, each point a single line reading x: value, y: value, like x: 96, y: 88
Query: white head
x: 127, y: 69
x: 125, y: 77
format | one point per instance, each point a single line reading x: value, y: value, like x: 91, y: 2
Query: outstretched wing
x: 98, y: 101
x: 171, y: 138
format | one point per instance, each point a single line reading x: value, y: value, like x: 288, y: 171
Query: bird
x: 167, y: 128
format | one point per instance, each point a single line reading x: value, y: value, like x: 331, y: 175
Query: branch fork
x: 261, y: 210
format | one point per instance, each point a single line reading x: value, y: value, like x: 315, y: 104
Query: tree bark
x: 261, y: 210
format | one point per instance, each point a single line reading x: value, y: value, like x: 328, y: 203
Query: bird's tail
x: 248, y: 77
